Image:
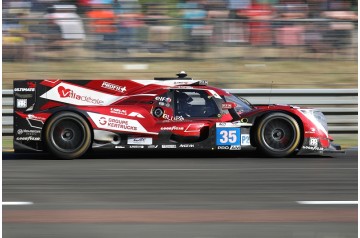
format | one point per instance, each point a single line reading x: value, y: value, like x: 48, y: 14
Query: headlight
x: 320, y: 117
x: 316, y: 116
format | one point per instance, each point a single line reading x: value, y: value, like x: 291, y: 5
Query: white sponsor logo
x: 24, y: 89
x: 227, y: 124
x: 313, y: 148
x: 117, y: 124
x: 139, y: 141
x: 313, y: 141
x: 223, y: 147
x: 173, y: 118
x: 153, y: 146
x: 76, y: 95
x: 28, y: 132
x: 118, y: 111
x: 21, y: 103
x: 114, y: 87
x: 168, y: 146
x: 119, y: 147
x: 245, y: 139
x: 163, y: 99
x: 172, y: 128
x: 136, y: 114
x: 235, y: 147
x: 136, y: 146
x: 214, y: 94
x: 29, y: 138
x: 186, y: 146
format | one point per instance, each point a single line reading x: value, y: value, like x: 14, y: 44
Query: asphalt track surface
x: 169, y: 194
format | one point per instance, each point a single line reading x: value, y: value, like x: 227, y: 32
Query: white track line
x: 16, y: 203
x: 327, y: 202
x: 184, y: 169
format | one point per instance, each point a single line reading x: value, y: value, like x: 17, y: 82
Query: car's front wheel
x: 278, y: 135
x: 67, y: 135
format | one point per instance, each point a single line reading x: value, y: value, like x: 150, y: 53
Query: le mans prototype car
x: 70, y: 117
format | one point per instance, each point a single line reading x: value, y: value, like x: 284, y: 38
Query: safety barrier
x: 340, y: 106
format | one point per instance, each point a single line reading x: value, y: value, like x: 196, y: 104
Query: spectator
x: 194, y: 16
x: 339, y: 34
x: 129, y: 21
x: 71, y: 24
x: 102, y: 24
x: 290, y: 32
x: 159, y: 31
x: 259, y: 15
x: 238, y: 28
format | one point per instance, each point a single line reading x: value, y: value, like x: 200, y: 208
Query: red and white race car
x: 70, y: 117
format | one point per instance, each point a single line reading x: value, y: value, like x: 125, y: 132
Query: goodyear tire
x: 278, y: 135
x: 67, y: 135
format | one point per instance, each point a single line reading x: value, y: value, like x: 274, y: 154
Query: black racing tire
x: 67, y: 135
x: 278, y: 135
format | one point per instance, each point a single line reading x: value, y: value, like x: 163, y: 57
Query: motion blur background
x: 231, y: 43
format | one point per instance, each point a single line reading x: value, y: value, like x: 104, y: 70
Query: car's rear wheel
x: 278, y: 135
x: 67, y: 135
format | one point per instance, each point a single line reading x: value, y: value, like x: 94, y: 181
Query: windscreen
x: 241, y: 104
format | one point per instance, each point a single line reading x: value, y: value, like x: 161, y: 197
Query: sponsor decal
x: 68, y: 93
x: 118, y: 111
x: 136, y: 114
x: 139, y: 141
x: 194, y: 127
x: 102, y: 121
x: 223, y: 147
x: 153, y: 146
x: 168, y: 146
x: 28, y: 138
x: 313, y: 141
x: 214, y: 94
x: 19, y: 95
x: 173, y: 118
x: 115, y: 87
x: 235, y: 147
x: 228, y: 124
x: 136, y: 146
x: 24, y: 89
x: 187, y: 146
x: 172, y: 128
x: 119, y: 147
x: 163, y: 99
x: 21, y: 103
x: 245, y: 139
x: 227, y: 105
x: 77, y: 95
x: 28, y: 132
x: 315, y: 148
x: 116, y: 123
x: 228, y: 136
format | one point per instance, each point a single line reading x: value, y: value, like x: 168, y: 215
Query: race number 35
x: 227, y: 136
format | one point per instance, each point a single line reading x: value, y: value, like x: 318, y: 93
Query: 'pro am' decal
x: 117, y: 123
x: 76, y: 95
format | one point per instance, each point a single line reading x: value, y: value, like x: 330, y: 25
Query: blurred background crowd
x: 119, y: 29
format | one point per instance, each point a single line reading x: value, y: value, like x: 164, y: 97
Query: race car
x: 69, y: 118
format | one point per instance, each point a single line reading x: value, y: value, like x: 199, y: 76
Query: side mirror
x: 228, y: 105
